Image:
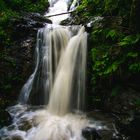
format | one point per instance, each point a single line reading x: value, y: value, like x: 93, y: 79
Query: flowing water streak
x: 73, y: 5
x: 25, y: 91
x: 51, y: 44
x: 62, y: 93
x: 58, y: 40
x: 43, y: 69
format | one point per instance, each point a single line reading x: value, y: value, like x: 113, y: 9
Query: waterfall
x: 58, y: 80
x: 71, y: 67
x: 51, y: 43
x: 59, y: 75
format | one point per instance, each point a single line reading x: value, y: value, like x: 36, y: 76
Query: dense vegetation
x: 114, y: 56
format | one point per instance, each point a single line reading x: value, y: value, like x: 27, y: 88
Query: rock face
x: 91, y: 134
x: 17, y: 59
x: 27, y: 26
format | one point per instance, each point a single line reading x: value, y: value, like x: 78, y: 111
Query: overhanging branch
x: 59, y: 14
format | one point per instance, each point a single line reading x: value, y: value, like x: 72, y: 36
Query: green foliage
x: 110, y: 6
x: 113, y: 34
x: 24, y: 5
x: 12, y: 9
x: 89, y: 7
x: 134, y: 67
x: 4, y: 22
x: 132, y: 54
x: 113, y: 53
x: 129, y: 40
x: 115, y: 49
x: 103, y: 63
x: 38, y: 6
x: 5, y: 17
x: 137, y: 102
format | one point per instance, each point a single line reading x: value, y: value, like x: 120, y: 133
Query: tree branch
x: 59, y: 14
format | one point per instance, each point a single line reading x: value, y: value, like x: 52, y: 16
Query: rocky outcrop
x: 17, y: 59
x: 26, y: 26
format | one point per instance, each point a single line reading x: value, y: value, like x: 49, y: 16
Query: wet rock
x: 7, y: 138
x: 91, y: 134
x: 103, y: 127
x: 17, y: 61
x: 27, y: 25
x: 16, y: 137
x: 130, y: 127
x: 124, y: 102
x: 117, y: 137
x: 23, y: 31
x: 39, y: 17
x: 5, y: 118
x: 26, y: 125
x: 95, y: 134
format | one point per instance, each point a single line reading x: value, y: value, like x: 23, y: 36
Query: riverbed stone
x: 16, y: 137
x: 90, y: 133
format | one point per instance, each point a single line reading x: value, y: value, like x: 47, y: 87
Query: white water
x: 57, y: 7
x: 39, y: 124
x: 58, y: 81
x: 75, y: 54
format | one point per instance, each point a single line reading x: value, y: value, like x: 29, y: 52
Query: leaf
x: 123, y: 43
x: 130, y: 40
x: 136, y: 39
x: 135, y: 67
x: 132, y: 54
x: 112, y: 68
x: 94, y: 53
x: 112, y: 33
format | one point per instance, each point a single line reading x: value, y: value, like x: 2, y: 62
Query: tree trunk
x: 135, y: 16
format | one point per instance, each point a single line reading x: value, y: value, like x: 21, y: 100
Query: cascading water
x: 50, y: 45
x: 58, y: 82
x: 67, y: 72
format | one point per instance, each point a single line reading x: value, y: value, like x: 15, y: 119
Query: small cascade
x: 58, y: 7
